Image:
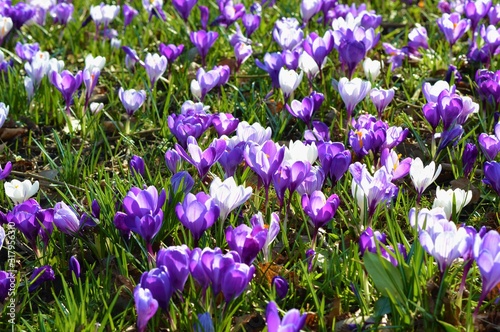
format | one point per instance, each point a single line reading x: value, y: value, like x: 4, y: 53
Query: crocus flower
x: 90, y: 78
x: 453, y: 26
x: 246, y: 241
x: 6, y: 25
x: 381, y: 98
x: 19, y: 191
x: 66, y: 219
x: 390, y: 160
x: 425, y: 217
x: 2, y: 238
x: 293, y: 321
x: 289, y: 81
x: 204, y: 82
x: 137, y: 165
x: 74, y: 266
x: 352, y: 92
x: 181, y: 182
x: 273, y: 229
x: 476, y: 10
x: 309, y: 8
x: 5, y: 280
x: 452, y: 201
x: 469, y: 158
x: 288, y: 34
x: 367, y: 243
x: 372, y: 69
x: 422, y: 177
x: 204, y: 324
x: 196, y: 266
x: 143, y: 208
x: 158, y: 282
x: 273, y: 62
x: 302, y: 110
x: 173, y: 160
x: 444, y: 242
x: 155, y: 67
x: 487, y: 254
x: 215, y: 265
x: 61, y: 13
x: 131, y: 99
x: 67, y: 84
x: 235, y: 280
x: 176, y: 259
x: 417, y: 38
x: 369, y: 191
x: 318, y: 47
x: 145, y: 305
x: 228, y: 196
x: 251, y: 23
x: 253, y: 133
x: 242, y: 52
x: 491, y: 171
x: 5, y: 171
x: 203, y: 41
x: 225, y: 123
x: 39, y: 276
x: 281, y: 286
x: 334, y: 159
x: 197, y: 213
x: 171, y: 51
x: 27, y: 51
x: 128, y: 14
x: 184, y: 7
x: 320, y: 209
x: 202, y: 160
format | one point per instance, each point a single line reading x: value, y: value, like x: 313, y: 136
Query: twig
x: 43, y: 178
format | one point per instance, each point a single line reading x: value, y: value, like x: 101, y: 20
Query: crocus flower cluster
x: 417, y: 39
x: 207, y: 80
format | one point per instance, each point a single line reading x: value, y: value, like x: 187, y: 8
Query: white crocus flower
x: 97, y: 62
x: 421, y: 176
x: 228, y: 196
x: 4, y: 113
x: 196, y: 89
x: 6, y: 25
x: 372, y: 68
x: 298, y: 151
x: 289, y: 80
x: 19, y: 191
x: 446, y: 198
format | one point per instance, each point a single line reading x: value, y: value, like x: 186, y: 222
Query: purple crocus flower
x: 264, y: 160
x: 145, y: 305
x: 204, y: 324
x: 155, y: 67
x: 74, y: 266
x: 367, y: 242
x: 313, y: 181
x: 5, y: 280
x: 26, y: 51
x: 39, y: 276
x: 205, y: 81
x: 215, y: 265
x: 320, y: 133
x: 61, y: 13
x: 417, y: 38
x: 488, y: 86
x: 143, y: 208
x: 137, y: 165
x: 486, y: 253
x: 90, y: 77
x: 476, y: 10
x: 491, y: 171
x: 67, y: 84
x: 453, y: 26
x: 490, y: 144
x: 251, y: 22
x: 293, y: 321
x: 5, y: 171
x: 20, y: 13
x: 235, y: 279
x: 273, y: 62
x: 173, y: 160
x: 469, y: 157
x: 334, y: 159
x: 204, y: 16
x: 158, y: 282
x: 246, y: 241
x: 320, y: 209
x: 254, y: 132
x: 197, y: 213
x: 288, y: 34
x: 171, y: 51
x: 131, y: 57
x: 390, y: 160
x: 309, y: 8
x: 202, y: 160
x: 351, y: 53
x: 66, y: 219
x: 224, y: 123
x: 318, y: 47
x: 196, y: 266
x: 242, y: 52
x: 176, y: 259
x: 257, y: 222
x: 129, y: 13
x: 131, y: 99
x: 381, y: 98
x: 184, y: 7
x: 183, y: 126
x: 281, y: 286
x: 181, y: 182
x: 203, y: 41
x: 302, y: 110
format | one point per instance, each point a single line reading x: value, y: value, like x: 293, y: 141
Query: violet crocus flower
x: 251, y: 22
x: 61, y: 13
x: 246, y: 241
x: 197, y: 213
x: 242, y: 52
x: 352, y: 93
x: 318, y: 47
x: 26, y: 51
x: 74, y: 266
x: 309, y: 8
x: 67, y: 84
x: 381, y: 99
x: 171, y: 51
x: 143, y: 208
x: 293, y: 321
x: 145, y: 305
x: 273, y: 62
x: 367, y: 242
x: 469, y: 157
x: 67, y: 220
x: 129, y: 13
x: 229, y: 12
x: 235, y: 279
x: 155, y: 67
x: 476, y: 10
x: 181, y: 182
x: 486, y: 253
x: 90, y: 77
x: 313, y: 181
x: 158, y: 282
x: 184, y: 7
x: 205, y: 81
x: 5, y: 279
x: 491, y: 171
x: 264, y: 160
x: 196, y: 265
x: 131, y: 99
x: 288, y: 34
x: 390, y: 160
x: 39, y: 276
x: 281, y: 286
x: 176, y: 259
x: 204, y: 324
x: 136, y: 165
x: 203, y: 41
x: 417, y: 38
x: 225, y: 123
x: 351, y: 53
x: 302, y: 110
x: 370, y: 191
x: 453, y: 26
x: 202, y: 160
x: 319, y: 209
x: 5, y: 171
x: 215, y: 265
x: 184, y: 126
x: 334, y: 159
x: 257, y: 222
x: 173, y: 160
x: 228, y: 196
